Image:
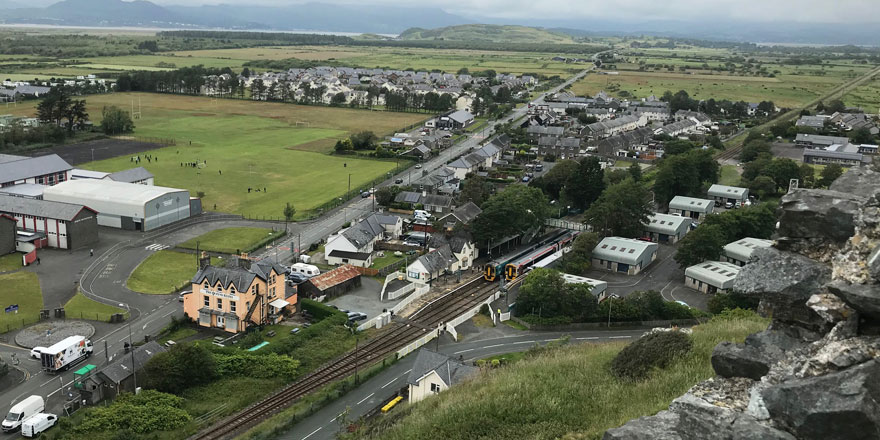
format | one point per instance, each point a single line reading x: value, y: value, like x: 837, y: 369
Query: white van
x: 33, y: 426
x: 421, y: 214
x: 21, y: 411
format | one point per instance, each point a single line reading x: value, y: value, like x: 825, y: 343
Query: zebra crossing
x: 157, y: 247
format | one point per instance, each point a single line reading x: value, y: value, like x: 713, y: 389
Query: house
x: 455, y: 121
x: 65, y: 225
x: 392, y: 224
x: 818, y: 141
x: 436, y: 203
x: 137, y: 175
x: 338, y: 257
x: 420, y: 151
x: 854, y: 121
x: 234, y: 297
x: 691, y: 207
x: 43, y: 170
x: 625, y: 141
x: 435, y: 372
x: 466, y: 164
x: 360, y: 237
x: 410, y: 198
x: 116, y: 377
x: 7, y: 234
x: 429, y: 266
x: 814, y: 122
x: 683, y: 127
x: 624, y: 255
x: 733, y: 194
x: 331, y: 284
x: 461, y: 215
x: 711, y: 276
x: 604, y: 129
x: 699, y: 118
x: 536, y: 132
x: 740, y: 252
x: 462, y: 246
x: 490, y: 153
x: 665, y: 228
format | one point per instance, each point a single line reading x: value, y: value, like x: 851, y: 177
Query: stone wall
x: 814, y: 373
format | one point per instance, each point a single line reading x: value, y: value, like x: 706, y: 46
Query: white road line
x: 389, y: 383
x: 463, y: 351
x: 123, y: 339
x: 585, y: 339
x: 619, y: 337
x: 173, y: 311
x: 313, y: 432
x: 493, y: 346
x: 365, y: 398
x: 524, y: 342
x: 406, y: 372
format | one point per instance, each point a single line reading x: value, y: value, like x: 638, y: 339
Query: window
x: 231, y: 289
x: 345, y: 260
x: 206, y: 285
x: 435, y: 388
x: 207, y: 301
x: 232, y: 306
x: 271, y: 292
x: 219, y: 303
x: 412, y: 274
x: 255, y: 289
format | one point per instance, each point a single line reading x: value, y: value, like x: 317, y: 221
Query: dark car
x: 365, y: 194
x: 398, y: 181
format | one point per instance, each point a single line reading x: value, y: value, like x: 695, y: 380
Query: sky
x: 804, y: 11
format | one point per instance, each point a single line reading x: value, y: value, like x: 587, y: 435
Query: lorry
x: 66, y: 353
x: 35, y: 425
x: 22, y: 411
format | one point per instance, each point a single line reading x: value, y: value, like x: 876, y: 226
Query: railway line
x: 391, y: 339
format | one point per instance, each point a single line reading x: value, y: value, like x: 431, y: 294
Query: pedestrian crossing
x: 157, y: 247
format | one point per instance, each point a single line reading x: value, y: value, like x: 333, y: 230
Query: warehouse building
x: 44, y: 170
x: 740, y: 252
x: 691, y: 207
x: 65, y: 225
x: 733, y: 194
x: 711, y: 276
x: 665, y: 228
x: 624, y: 255
x: 125, y: 205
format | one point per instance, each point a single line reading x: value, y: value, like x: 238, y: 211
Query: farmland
x: 246, y: 144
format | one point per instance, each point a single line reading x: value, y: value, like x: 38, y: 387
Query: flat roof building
x: 66, y: 225
x: 740, y: 252
x: 28, y: 190
x: 724, y: 194
x: 691, y: 207
x: 44, y: 170
x: 7, y: 234
x: 624, y: 255
x: 711, y: 276
x: 125, y: 205
x: 665, y: 228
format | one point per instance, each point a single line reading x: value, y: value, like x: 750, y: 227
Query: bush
x: 184, y: 366
x: 251, y: 339
x: 730, y: 301
x: 318, y: 310
x: 146, y: 412
x: 260, y: 366
x: 655, y: 350
x: 484, y: 309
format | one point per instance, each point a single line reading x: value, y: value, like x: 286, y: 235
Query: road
x: 324, y: 424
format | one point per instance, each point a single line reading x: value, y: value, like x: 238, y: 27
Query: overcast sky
x: 638, y: 10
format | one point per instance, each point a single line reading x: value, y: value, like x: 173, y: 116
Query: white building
x: 740, y: 252
x: 732, y: 194
x: 665, y: 228
x: 711, y: 276
x: 691, y: 207
x: 624, y: 255
x: 433, y: 373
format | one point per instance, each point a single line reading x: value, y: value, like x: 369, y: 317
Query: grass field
x: 22, y: 288
x: 729, y: 176
x: 10, y: 262
x: 163, y: 272
x: 81, y: 307
x: 249, y: 144
x: 866, y: 96
x: 563, y: 393
x: 229, y: 240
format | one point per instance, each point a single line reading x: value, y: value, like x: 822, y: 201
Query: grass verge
x: 22, y: 289
x: 164, y: 272
x: 231, y: 240
x: 82, y: 307
x: 10, y: 262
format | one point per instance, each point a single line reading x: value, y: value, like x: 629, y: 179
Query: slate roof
x: 465, y: 213
x: 610, y: 124
x: 450, y: 370
x: 407, y: 197
x: 40, y: 208
x: 461, y: 116
x: 240, y: 277
x: 364, y: 232
x: 131, y: 175
x: 32, y: 166
x: 334, y: 277
x: 550, y: 131
x: 386, y: 219
x: 360, y: 256
x: 437, y: 260
x: 467, y: 162
x: 119, y: 370
x: 683, y: 125
x: 437, y: 200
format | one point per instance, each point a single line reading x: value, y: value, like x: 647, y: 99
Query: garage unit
x: 125, y: 205
x: 665, y: 228
x: 711, y: 276
x: 740, y: 252
x: 696, y: 209
x: 624, y: 255
x: 728, y: 194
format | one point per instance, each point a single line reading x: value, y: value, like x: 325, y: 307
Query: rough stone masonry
x: 815, y: 372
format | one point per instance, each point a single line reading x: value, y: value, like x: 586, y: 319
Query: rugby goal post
x: 305, y: 123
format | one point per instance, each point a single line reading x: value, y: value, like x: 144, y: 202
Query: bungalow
x: 691, y: 207
x: 624, y: 255
x: 466, y: 164
x: 433, y: 373
x: 420, y: 151
x: 436, y: 203
x: 711, y: 276
x: 815, y: 122
x: 461, y: 215
x: 360, y: 237
x: 733, y: 194
x: 455, y: 121
x: 740, y: 252
x: 665, y: 228
x: 430, y: 266
x: 410, y: 198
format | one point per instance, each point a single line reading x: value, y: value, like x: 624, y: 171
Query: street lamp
x: 131, y: 346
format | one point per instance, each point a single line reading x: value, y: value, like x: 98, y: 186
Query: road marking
x: 493, y: 346
x: 313, y: 432
x: 173, y: 311
x: 389, y: 383
x: 157, y: 247
x: 365, y: 398
x: 585, y: 339
x: 407, y: 371
x: 619, y: 337
x: 523, y: 342
x: 465, y: 351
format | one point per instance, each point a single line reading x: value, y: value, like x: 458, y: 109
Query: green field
x: 81, y: 307
x: 729, y: 176
x: 866, y: 96
x: 10, y: 262
x: 163, y: 272
x: 22, y: 288
x: 229, y: 240
x: 563, y: 393
x: 248, y: 144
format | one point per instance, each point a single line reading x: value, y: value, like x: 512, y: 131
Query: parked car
x: 728, y: 205
x: 37, y: 351
x: 525, y: 179
x: 717, y: 204
x: 294, y: 330
x: 398, y: 181
x: 356, y: 316
x: 365, y: 194
x: 35, y: 425
x: 418, y: 166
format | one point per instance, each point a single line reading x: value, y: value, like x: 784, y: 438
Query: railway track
x: 388, y: 341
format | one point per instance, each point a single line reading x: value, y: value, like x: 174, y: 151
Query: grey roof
x: 131, y: 175
x: 361, y: 256
x: 667, y: 224
x: 450, y: 370
x: 501, y: 141
x: 11, y: 158
x: 625, y: 141
x: 551, y: 131
x: 811, y: 121
x: 461, y: 116
x: 716, y: 273
x: 32, y: 190
x: 623, y: 250
x: 437, y: 260
x: 741, y: 250
x: 40, y: 208
x: 436, y: 200
x: 717, y: 190
x: 821, y: 140
x: 469, y: 161
x: 836, y: 155
x: 119, y: 370
x: 364, y: 232
x: 610, y: 124
x: 408, y: 197
x: 699, y: 116
x: 32, y: 166
x: 466, y: 212
x: 384, y: 219
x: 683, y: 125
x: 240, y: 277
x: 487, y: 150
x: 691, y: 204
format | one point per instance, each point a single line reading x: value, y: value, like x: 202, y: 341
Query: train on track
x: 513, y: 265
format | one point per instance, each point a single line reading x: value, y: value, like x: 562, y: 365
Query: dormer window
x: 231, y: 289
x: 206, y: 285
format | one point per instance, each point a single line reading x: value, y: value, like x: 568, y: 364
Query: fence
x: 413, y: 346
x: 418, y: 293
x: 598, y: 325
x: 400, y: 292
x: 149, y: 140
x: 473, y: 312
x: 392, y: 267
x: 7, y: 325
x: 368, y: 271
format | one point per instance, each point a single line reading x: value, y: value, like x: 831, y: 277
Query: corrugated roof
x: 40, y: 208
x: 334, y: 277
x: 107, y: 195
x: 716, y: 273
x: 741, y: 250
x: 691, y: 204
x: 24, y: 190
x: 667, y: 224
x: 623, y: 250
x: 727, y: 191
x: 27, y: 167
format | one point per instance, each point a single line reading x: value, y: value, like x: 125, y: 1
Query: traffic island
x: 45, y: 334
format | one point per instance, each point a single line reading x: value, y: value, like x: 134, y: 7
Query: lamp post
x: 131, y: 346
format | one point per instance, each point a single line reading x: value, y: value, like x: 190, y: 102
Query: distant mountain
x: 9, y: 4
x: 487, y: 32
x: 99, y: 13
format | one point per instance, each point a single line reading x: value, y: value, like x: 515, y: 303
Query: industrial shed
x: 122, y: 205
x: 7, y: 234
x: 740, y: 252
x: 333, y: 283
x: 624, y: 255
x: 691, y: 207
x: 732, y: 194
x: 65, y: 225
x: 711, y: 276
x: 665, y: 228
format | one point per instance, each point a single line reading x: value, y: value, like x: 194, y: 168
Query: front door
x: 221, y: 321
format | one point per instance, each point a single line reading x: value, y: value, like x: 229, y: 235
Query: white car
x: 418, y: 165
x: 37, y: 351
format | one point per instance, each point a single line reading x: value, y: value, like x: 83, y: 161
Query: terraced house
x: 236, y: 297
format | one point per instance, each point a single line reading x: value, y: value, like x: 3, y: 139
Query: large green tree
x: 685, y: 174
x: 554, y: 180
x: 58, y: 107
x: 830, y: 173
x: 513, y: 211
x: 546, y: 294
x: 578, y: 260
x: 752, y: 149
x: 475, y: 189
x: 116, y: 120
x: 861, y: 135
x: 707, y: 241
x: 182, y: 367
x: 585, y: 186
x: 622, y: 210
x: 701, y: 244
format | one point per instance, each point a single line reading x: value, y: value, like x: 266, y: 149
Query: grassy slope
x: 81, y: 307
x: 569, y: 390
x: 22, y: 288
x: 162, y: 273
x: 487, y: 32
x: 228, y: 240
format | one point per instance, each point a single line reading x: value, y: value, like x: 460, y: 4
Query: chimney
x: 204, y: 260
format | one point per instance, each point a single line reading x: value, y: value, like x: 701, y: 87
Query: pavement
x: 324, y: 424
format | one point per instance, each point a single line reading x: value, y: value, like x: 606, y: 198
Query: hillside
x: 487, y: 32
x: 563, y: 391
